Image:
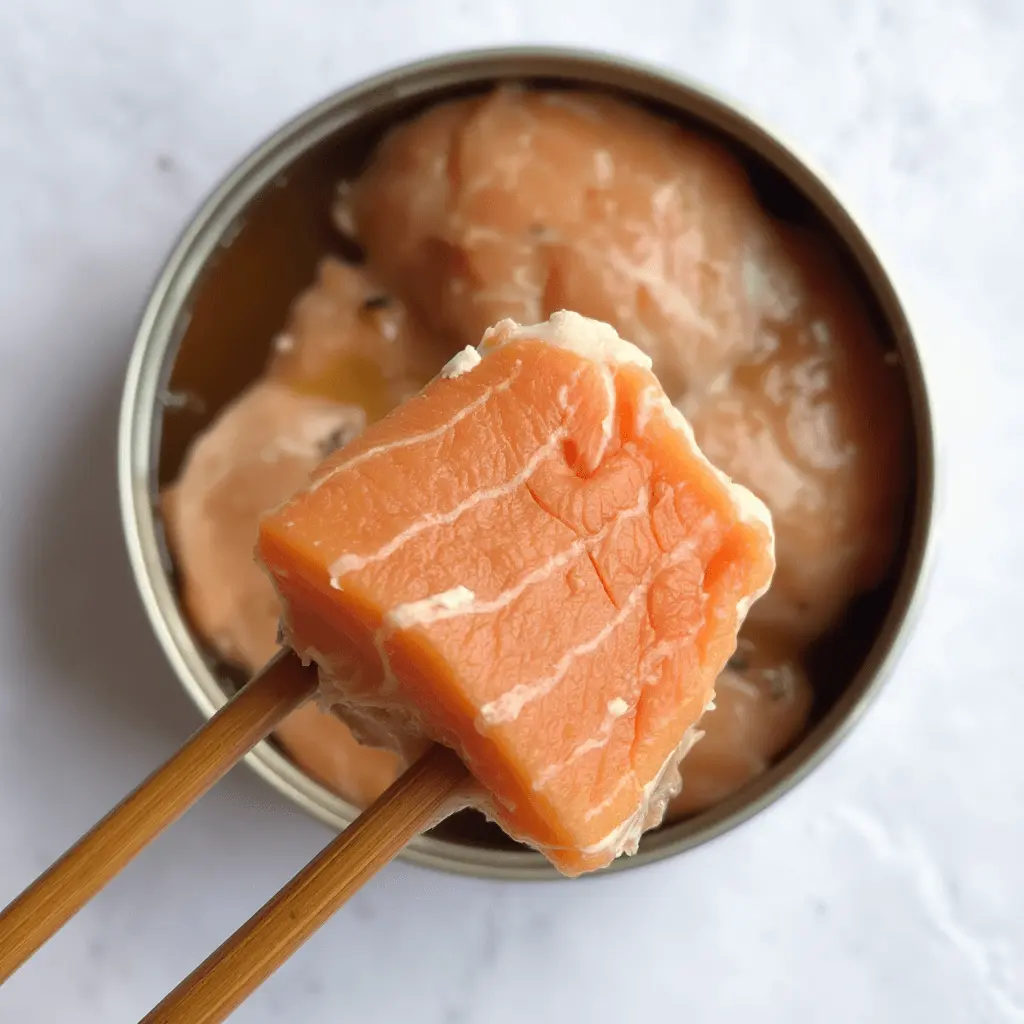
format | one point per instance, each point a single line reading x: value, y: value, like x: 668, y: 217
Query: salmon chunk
x: 816, y: 425
x: 349, y: 340
x: 531, y: 562
x: 258, y: 450
x: 762, y: 703
x: 261, y: 447
x: 525, y: 202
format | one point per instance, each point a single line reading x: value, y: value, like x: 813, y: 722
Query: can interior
x: 240, y: 300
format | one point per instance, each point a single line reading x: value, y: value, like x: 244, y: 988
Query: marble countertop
x: 888, y: 887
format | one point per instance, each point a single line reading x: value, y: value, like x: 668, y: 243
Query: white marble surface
x: 889, y: 887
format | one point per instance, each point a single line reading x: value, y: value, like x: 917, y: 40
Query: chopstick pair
x: 284, y: 923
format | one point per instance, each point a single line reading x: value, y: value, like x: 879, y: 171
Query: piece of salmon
x: 815, y: 423
x: 349, y: 340
x: 261, y: 447
x: 254, y: 455
x: 762, y: 703
x: 525, y: 202
x: 533, y: 563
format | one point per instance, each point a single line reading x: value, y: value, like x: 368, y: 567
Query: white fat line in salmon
x: 608, y: 423
x: 627, y: 778
x: 617, y: 707
x: 627, y: 833
x: 747, y: 506
x: 461, y: 601
x: 671, y: 296
x: 596, y: 742
x: 563, y: 391
x: 353, y: 563
x: 437, y: 608
x: 507, y: 707
x: 389, y: 682
x: 450, y: 600
x: 426, y: 435
x: 457, y: 601
x: 476, y: 234
x: 633, y: 824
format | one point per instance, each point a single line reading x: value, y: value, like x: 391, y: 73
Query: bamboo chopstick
x: 61, y: 891
x: 270, y: 936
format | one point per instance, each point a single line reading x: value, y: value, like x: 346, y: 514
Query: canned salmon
x: 255, y: 244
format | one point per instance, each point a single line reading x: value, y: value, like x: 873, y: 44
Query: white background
x: 886, y: 888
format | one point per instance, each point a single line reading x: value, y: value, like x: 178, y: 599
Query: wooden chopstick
x: 61, y: 891
x: 267, y: 939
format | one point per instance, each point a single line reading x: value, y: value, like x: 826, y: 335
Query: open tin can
x: 254, y: 245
